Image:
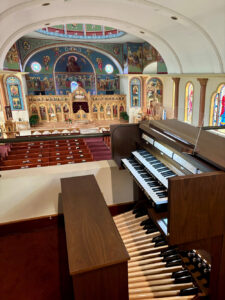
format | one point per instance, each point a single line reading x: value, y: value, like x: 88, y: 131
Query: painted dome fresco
x: 82, y: 31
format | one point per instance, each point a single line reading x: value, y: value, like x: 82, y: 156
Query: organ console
x: 174, y: 235
x: 179, y: 185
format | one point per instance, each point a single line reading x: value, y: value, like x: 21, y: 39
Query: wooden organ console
x: 179, y: 178
x: 173, y: 238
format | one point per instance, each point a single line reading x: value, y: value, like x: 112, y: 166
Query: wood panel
x: 116, y: 209
x: 196, y: 207
x: 212, y: 148
x: 124, y: 140
x: 161, y: 135
x: 110, y: 283
x: 177, y: 128
x: 93, y: 240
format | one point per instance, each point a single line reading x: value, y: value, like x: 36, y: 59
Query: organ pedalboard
x: 156, y: 270
x: 178, y: 182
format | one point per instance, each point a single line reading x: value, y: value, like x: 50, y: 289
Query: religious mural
x: 135, y: 92
x: 43, y: 113
x: 138, y: 56
x: 64, y: 80
x: 134, y: 55
x: 12, y: 59
x: 71, y: 67
x: 150, y: 54
x: 14, y: 92
x: 40, y: 84
x: 107, y: 83
x: 74, y: 60
x: 189, y: 94
x: 28, y: 45
x: 154, y: 91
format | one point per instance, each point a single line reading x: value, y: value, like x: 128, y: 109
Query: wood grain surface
x: 93, y: 241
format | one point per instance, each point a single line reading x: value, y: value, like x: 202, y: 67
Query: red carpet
x: 98, y: 148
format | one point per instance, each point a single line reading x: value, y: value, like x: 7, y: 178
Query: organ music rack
x: 196, y: 203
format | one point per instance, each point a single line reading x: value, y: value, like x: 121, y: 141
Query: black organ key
x: 174, y: 263
x: 160, y: 243
x: 171, y: 257
x: 184, y: 279
x: 189, y: 291
x: 180, y: 273
x: 146, y: 222
x: 168, y: 252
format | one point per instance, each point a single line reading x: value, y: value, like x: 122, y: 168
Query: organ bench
x: 96, y: 253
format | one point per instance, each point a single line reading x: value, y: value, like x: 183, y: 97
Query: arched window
x: 135, y: 92
x: 189, y: 94
x: 217, y: 112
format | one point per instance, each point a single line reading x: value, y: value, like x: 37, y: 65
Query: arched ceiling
x: 194, y: 43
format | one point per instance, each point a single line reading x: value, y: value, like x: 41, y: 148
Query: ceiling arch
x: 191, y: 44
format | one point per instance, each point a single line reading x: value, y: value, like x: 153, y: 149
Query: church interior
x: 112, y: 150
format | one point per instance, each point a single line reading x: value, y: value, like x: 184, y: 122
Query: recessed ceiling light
x: 173, y: 18
x: 142, y: 32
x: 45, y: 4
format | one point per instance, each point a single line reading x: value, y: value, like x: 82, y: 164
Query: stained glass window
x: 36, y: 67
x: 189, y: 94
x: 217, y: 113
x: 135, y: 92
x: 109, y: 69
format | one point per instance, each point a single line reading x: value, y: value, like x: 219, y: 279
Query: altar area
x: 77, y: 106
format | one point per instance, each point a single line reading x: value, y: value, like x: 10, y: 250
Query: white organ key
x: 144, y: 184
x: 150, y: 166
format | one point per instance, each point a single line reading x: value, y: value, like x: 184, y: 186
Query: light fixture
x: 46, y: 4
x: 173, y: 18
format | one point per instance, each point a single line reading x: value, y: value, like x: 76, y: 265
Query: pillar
x: 176, y: 81
x: 203, y: 83
x: 144, y: 93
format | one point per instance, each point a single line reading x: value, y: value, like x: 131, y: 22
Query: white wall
x: 167, y: 94
x: 31, y: 193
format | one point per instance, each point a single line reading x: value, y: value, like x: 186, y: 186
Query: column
x: 176, y: 81
x: 203, y: 83
x: 143, y: 100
